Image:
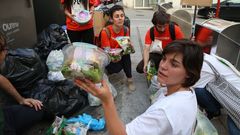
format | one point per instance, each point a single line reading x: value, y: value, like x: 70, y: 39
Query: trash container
x: 17, y: 22
x: 48, y: 12
x: 227, y: 39
x: 183, y: 18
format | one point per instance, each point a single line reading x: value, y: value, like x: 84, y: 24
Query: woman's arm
x: 114, y: 124
x: 68, y: 14
x: 146, y: 51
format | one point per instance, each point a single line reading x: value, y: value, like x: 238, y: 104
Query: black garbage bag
x: 60, y: 98
x: 51, y: 38
x: 23, y: 68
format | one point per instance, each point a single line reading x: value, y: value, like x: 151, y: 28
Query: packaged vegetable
x: 125, y: 43
x: 151, y: 70
x: 84, y: 61
x: 115, y: 54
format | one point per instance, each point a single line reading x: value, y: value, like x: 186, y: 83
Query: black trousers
x: 124, y: 63
x: 155, y: 57
x: 86, y: 36
x: 18, y: 118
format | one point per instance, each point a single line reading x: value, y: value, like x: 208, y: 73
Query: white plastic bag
x: 55, y: 62
x: 156, y: 46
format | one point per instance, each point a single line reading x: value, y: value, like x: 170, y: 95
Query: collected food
x: 83, y: 17
x: 125, y: 43
x: 84, y: 61
x: 115, y: 54
x: 151, y: 70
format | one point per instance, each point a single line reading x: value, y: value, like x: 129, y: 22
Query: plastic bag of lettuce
x: 84, y: 61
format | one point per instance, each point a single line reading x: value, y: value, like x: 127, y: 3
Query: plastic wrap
x: 83, y: 16
x: 84, y: 61
x: 125, y: 43
x: 115, y: 54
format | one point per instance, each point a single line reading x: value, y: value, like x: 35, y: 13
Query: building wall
x: 128, y: 3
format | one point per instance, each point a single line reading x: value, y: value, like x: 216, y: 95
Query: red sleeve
x: 105, y: 42
x: 203, y: 35
x: 92, y: 2
x: 178, y: 32
x: 148, y: 40
x: 62, y: 1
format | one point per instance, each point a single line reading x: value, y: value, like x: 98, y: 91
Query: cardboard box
x: 197, y: 2
x: 99, y: 21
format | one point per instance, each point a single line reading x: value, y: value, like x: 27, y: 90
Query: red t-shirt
x: 203, y: 36
x: 72, y: 25
x: 110, y: 42
x: 165, y: 37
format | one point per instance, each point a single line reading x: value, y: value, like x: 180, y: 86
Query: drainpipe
x: 218, y: 9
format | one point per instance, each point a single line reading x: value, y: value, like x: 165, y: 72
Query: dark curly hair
x: 114, y: 9
x: 192, y: 58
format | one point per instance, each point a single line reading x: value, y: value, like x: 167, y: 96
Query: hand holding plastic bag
x: 125, y: 43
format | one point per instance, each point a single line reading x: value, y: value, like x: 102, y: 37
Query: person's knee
x: 139, y: 69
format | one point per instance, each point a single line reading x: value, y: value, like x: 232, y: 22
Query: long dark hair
x: 68, y: 3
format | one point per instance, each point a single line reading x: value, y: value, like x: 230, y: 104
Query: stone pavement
x: 129, y: 104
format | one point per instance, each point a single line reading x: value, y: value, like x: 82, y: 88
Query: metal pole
x: 194, y: 21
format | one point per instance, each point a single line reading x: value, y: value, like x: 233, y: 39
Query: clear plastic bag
x: 204, y: 125
x: 94, y: 101
x: 115, y: 54
x: 151, y: 70
x: 83, y: 16
x: 84, y: 61
x: 125, y: 43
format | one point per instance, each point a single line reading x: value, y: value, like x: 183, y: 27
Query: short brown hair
x: 114, y: 9
x: 160, y: 17
x: 192, y: 58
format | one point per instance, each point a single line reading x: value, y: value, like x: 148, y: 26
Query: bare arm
x: 146, y: 51
x: 6, y: 85
x: 68, y: 14
x: 114, y: 123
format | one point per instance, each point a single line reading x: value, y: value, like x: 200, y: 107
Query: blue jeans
x: 232, y: 128
x: 207, y: 102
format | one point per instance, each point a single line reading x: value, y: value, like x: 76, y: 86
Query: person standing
x: 79, y: 32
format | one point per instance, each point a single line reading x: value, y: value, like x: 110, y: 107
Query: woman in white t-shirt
x: 174, y: 113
